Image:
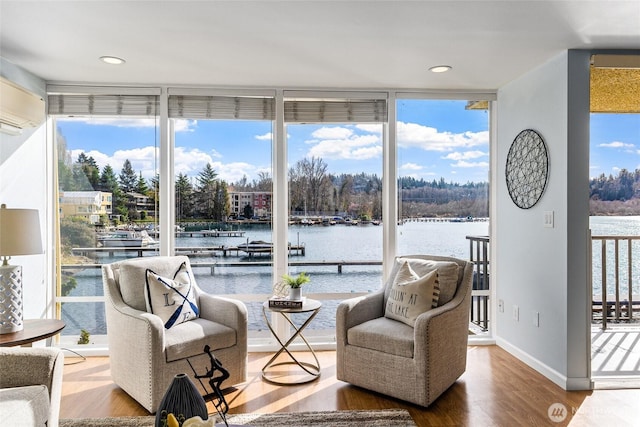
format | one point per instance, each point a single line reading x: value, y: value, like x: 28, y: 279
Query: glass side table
x: 310, y: 307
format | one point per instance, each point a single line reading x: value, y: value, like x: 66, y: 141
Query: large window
x: 335, y: 151
x: 443, y: 186
x: 223, y: 195
x: 107, y: 204
x: 253, y: 184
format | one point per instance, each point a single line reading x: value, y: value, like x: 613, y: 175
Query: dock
x: 202, y: 251
x: 201, y: 233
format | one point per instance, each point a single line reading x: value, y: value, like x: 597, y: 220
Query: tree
x: 265, y: 183
x: 184, y: 197
x: 205, y: 191
x: 109, y: 183
x: 308, y: 185
x: 65, y: 174
x: 128, y: 178
x: 221, y: 207
x: 90, y: 170
x: 141, y: 186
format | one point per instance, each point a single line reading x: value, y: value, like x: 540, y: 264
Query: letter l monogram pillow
x: 173, y: 300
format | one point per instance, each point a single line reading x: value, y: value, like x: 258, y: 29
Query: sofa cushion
x: 189, y: 338
x: 384, y: 335
x: 25, y: 406
x: 412, y: 295
x: 172, y: 298
x: 131, y: 276
x: 447, y: 275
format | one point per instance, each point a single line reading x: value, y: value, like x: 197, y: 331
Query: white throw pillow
x: 412, y: 295
x: 173, y: 300
x: 447, y: 275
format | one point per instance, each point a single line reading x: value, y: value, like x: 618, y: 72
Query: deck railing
x: 479, y: 254
x: 615, y: 267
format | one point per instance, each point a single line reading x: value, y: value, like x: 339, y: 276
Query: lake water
x: 332, y: 243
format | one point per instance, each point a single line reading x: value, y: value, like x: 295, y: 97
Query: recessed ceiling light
x: 440, y: 68
x: 113, y: 60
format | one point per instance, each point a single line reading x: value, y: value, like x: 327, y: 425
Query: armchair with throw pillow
x: 409, y: 339
x: 158, y: 318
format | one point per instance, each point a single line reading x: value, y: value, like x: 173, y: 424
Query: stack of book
x: 284, y: 302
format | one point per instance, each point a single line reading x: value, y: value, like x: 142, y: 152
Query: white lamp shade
x: 19, y: 232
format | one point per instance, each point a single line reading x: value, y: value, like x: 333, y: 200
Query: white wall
x: 23, y: 184
x: 544, y: 270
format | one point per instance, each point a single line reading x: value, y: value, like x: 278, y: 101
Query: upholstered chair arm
x: 440, y: 339
x: 228, y: 312
x: 354, y: 311
x: 133, y: 349
x: 34, y: 366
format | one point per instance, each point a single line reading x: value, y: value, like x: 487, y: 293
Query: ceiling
x: 306, y: 44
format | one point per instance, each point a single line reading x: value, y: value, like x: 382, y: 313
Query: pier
x: 201, y: 233
x: 202, y: 251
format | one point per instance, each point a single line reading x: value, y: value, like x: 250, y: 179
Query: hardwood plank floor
x: 496, y: 390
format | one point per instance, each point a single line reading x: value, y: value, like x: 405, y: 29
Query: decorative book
x: 279, y: 302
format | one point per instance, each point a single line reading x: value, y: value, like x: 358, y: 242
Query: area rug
x: 387, y: 417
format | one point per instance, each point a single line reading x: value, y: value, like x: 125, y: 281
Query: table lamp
x: 19, y: 235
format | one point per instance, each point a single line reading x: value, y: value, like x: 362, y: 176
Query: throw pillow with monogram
x: 172, y: 299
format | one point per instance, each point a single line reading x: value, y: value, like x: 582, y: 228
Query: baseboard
x: 566, y: 383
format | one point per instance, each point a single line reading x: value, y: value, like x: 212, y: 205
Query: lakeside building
x: 87, y: 204
x: 259, y: 201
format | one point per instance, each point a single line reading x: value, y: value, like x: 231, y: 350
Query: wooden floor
x: 496, y: 390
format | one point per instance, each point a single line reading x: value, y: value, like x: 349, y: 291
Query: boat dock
x: 194, y: 251
x: 202, y: 233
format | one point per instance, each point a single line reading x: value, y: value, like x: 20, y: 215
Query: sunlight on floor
x: 615, y: 357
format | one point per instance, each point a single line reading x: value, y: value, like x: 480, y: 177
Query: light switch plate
x: 548, y: 219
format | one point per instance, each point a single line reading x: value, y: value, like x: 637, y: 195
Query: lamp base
x: 11, y: 309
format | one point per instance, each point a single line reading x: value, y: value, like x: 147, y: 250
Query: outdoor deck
x: 615, y: 356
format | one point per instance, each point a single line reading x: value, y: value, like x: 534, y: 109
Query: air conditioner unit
x: 19, y: 108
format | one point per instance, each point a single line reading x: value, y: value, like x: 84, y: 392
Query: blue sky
x: 615, y: 143
x: 436, y: 139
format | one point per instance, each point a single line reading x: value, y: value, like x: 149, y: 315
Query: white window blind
x: 335, y: 111
x: 221, y: 107
x: 103, y: 105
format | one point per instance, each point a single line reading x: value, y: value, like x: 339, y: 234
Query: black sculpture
x: 216, y: 375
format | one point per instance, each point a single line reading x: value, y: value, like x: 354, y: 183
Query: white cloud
x: 337, y: 132
x: 616, y: 144
x: 466, y: 155
x: 615, y: 169
x: 184, y: 125
x: 465, y: 164
x: 343, y: 143
x: 266, y: 137
x: 430, y: 139
x: 410, y: 167
x: 371, y: 128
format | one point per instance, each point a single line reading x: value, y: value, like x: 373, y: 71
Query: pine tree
x: 206, y: 194
x: 184, y: 197
x: 128, y: 179
x: 141, y: 186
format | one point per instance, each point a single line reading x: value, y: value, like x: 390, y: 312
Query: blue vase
x: 183, y: 400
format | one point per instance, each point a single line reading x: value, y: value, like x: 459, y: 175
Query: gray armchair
x: 30, y: 386
x: 416, y: 364
x: 144, y: 356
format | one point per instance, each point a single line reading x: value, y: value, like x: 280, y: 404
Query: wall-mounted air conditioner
x: 19, y: 108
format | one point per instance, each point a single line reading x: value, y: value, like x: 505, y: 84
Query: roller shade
x: 221, y: 107
x: 335, y: 111
x: 103, y: 105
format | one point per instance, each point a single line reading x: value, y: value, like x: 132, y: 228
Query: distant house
x: 87, y: 204
x: 141, y: 202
